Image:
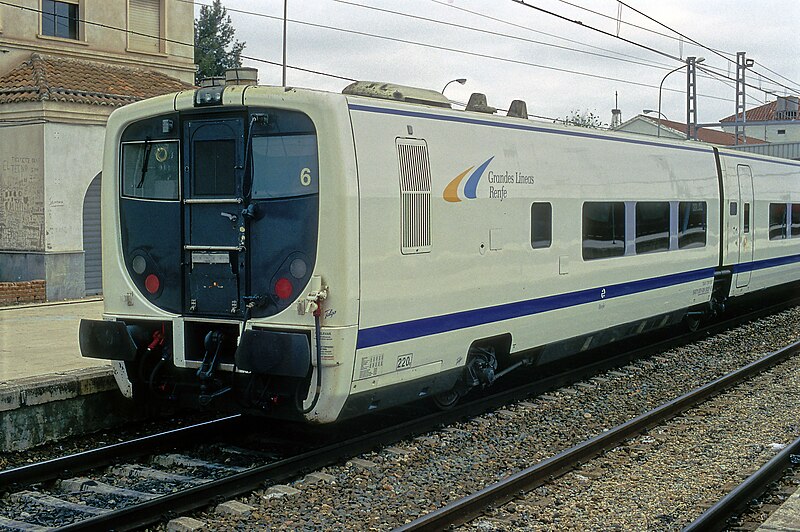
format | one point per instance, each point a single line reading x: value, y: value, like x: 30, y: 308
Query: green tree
x: 215, y: 49
x: 583, y: 118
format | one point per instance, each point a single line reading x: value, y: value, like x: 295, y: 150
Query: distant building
x: 60, y: 78
x: 646, y: 125
x: 777, y: 121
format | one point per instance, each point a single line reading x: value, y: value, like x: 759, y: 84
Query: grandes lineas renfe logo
x: 470, y: 187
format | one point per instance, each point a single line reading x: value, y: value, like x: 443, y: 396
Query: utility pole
x: 741, y: 65
x: 285, y: 10
x: 691, y: 98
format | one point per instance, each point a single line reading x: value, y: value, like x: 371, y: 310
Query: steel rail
x: 103, y: 456
x: 191, y: 499
x: 462, y: 510
x: 716, y: 517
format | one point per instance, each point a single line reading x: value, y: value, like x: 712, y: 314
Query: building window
x: 603, y: 230
x: 541, y: 225
x: 652, y: 226
x: 777, y: 221
x: 60, y: 19
x: 144, y: 25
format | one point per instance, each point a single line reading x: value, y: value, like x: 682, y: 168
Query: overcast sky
x: 514, y: 51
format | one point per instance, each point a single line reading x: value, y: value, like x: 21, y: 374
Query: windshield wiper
x: 147, y: 147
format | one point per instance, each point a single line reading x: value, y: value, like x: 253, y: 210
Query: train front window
x: 150, y: 170
x: 285, y: 166
x: 214, y: 168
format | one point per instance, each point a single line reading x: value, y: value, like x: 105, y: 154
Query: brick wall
x: 22, y: 292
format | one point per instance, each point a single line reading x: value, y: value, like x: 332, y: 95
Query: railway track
x: 509, y: 488
x: 169, y: 491
x: 726, y: 511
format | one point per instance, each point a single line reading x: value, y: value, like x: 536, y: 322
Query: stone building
x: 64, y: 66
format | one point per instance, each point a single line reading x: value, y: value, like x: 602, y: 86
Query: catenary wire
x: 693, y: 41
x: 463, y: 52
x: 579, y: 23
x: 174, y: 41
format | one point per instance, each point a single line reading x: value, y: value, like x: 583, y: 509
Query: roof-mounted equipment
x: 518, y: 109
x: 398, y: 93
x: 477, y: 103
x: 208, y: 96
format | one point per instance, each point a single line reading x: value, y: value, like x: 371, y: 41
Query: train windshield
x: 284, y: 166
x: 150, y: 170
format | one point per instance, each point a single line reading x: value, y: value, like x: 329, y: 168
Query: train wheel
x: 446, y: 400
x: 692, y: 322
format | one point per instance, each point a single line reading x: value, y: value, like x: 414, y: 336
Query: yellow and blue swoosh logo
x: 470, y: 187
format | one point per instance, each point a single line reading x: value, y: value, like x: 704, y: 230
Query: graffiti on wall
x: 21, y: 204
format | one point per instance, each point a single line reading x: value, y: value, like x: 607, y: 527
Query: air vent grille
x: 415, y: 195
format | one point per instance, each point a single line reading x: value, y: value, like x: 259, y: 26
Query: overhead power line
x: 693, y: 41
x: 174, y: 41
x: 459, y: 51
x: 582, y: 24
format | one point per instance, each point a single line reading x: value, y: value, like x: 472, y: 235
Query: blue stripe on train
x: 766, y: 263
x: 395, y: 332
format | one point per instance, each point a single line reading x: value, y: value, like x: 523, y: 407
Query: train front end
x: 215, y: 280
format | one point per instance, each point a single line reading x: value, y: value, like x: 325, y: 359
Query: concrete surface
x: 47, y: 390
x: 786, y: 518
x: 43, y: 339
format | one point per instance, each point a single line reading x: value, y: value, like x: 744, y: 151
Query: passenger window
x: 541, y: 225
x: 795, y: 219
x: 214, y: 167
x: 692, y: 224
x: 746, y: 218
x: 652, y: 226
x: 150, y: 170
x: 733, y: 208
x: 777, y: 221
x: 603, y: 230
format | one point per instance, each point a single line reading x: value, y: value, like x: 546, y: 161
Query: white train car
x: 324, y: 255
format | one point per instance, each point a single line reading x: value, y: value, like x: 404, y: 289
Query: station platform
x: 47, y: 390
x: 786, y: 518
x: 42, y: 339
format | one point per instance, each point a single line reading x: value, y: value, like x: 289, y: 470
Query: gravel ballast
x: 396, y: 484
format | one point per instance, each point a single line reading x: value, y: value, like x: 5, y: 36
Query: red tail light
x: 283, y: 288
x: 152, y: 283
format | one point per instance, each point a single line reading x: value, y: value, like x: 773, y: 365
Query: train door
x: 745, y: 177
x: 214, y: 228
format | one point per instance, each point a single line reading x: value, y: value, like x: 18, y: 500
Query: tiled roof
x: 712, y: 136
x: 762, y: 112
x: 49, y: 78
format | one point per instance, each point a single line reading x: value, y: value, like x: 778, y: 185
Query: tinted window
x: 150, y: 170
x: 777, y: 221
x: 691, y: 224
x: 746, y: 215
x: 652, y: 226
x: 603, y: 230
x: 541, y: 225
x: 214, y: 166
x: 284, y: 166
x: 795, y: 219
x: 59, y: 19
